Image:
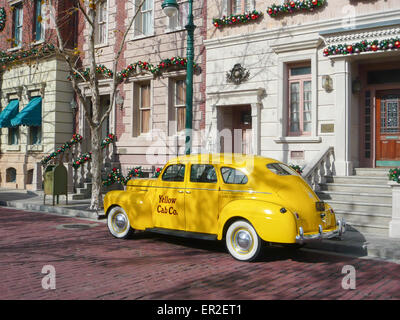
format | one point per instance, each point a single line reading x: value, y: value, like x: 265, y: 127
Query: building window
x: 178, y: 21
x: 144, y: 108
x: 240, y: 6
x: 13, y: 136
x: 35, y: 135
x: 101, y: 28
x: 38, y: 31
x: 144, y: 19
x: 11, y: 175
x: 180, y: 104
x: 300, y: 103
x: 17, y: 24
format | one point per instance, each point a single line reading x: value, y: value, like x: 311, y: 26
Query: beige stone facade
x: 48, y: 79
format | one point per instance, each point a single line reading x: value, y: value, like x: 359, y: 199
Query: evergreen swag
x: 293, y: 6
x: 394, y: 175
x: 296, y: 168
x: 363, y: 46
x: 157, y: 173
x: 3, y: 17
x: 237, y: 19
x: 116, y: 176
x: 37, y: 52
x: 135, y: 68
x: 85, y: 157
x: 76, y: 138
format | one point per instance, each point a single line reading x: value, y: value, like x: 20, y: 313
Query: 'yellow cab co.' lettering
x: 166, y: 209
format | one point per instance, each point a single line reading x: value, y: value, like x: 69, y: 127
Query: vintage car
x: 246, y: 200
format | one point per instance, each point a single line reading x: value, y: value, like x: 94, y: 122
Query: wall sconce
x: 327, y: 83
x: 119, y: 100
x: 356, y: 86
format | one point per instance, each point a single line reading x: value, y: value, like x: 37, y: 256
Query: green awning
x: 31, y: 115
x: 8, y: 113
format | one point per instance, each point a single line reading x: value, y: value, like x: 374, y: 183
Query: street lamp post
x: 170, y: 8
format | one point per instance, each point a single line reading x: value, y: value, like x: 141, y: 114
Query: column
x: 343, y: 163
x: 256, y: 127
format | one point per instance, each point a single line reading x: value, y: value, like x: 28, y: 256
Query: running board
x: 185, y: 234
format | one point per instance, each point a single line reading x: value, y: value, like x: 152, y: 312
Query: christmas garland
x: 163, y: 65
x: 100, y: 69
x: 157, y: 173
x: 76, y: 138
x: 116, y: 176
x: 237, y: 19
x: 135, y: 68
x: 22, y: 54
x: 85, y: 157
x: 293, y: 6
x: 296, y: 168
x: 363, y: 46
x: 3, y: 18
x: 394, y: 175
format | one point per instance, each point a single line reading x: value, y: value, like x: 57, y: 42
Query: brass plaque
x: 327, y: 128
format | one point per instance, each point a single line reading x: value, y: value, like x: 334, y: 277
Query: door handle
x: 180, y: 191
x: 187, y: 191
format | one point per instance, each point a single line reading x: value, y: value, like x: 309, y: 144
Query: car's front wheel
x: 242, y: 241
x: 118, y: 223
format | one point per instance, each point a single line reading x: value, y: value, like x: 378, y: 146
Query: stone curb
x: 50, y: 209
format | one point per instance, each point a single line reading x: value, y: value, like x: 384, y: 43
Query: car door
x: 169, y: 203
x: 201, y: 199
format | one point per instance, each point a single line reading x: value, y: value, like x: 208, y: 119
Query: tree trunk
x: 97, y: 160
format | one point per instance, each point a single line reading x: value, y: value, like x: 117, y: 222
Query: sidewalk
x: 353, y: 243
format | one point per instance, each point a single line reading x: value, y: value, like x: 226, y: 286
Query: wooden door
x: 388, y: 128
x: 242, y: 130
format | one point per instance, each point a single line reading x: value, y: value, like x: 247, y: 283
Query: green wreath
x: 2, y: 18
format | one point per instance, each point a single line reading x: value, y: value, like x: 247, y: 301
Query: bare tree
x: 87, y: 9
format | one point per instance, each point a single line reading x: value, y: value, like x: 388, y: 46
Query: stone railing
x: 322, y: 165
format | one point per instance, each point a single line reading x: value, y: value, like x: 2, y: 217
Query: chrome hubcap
x: 243, y: 240
x: 120, y: 222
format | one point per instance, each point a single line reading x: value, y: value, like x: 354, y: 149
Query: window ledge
x: 101, y: 45
x: 35, y: 147
x: 298, y: 140
x: 14, y: 49
x: 144, y: 36
x: 13, y: 147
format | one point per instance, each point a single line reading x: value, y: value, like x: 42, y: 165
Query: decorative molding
x: 237, y: 74
x: 353, y: 36
x: 298, y: 140
x: 295, y: 46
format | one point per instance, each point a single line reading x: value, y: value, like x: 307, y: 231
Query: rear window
x: 233, y: 176
x: 281, y: 169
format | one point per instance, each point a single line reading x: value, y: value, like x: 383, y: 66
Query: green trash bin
x: 55, y: 182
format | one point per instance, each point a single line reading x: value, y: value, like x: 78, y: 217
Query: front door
x: 388, y: 128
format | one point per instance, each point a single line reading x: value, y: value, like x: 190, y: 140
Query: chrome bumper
x: 340, y: 230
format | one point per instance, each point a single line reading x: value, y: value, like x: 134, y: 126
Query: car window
x: 174, y: 172
x: 281, y: 169
x: 203, y: 173
x: 234, y: 176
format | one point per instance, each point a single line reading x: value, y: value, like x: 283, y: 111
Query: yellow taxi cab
x: 245, y: 200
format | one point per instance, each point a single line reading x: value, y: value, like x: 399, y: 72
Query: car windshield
x: 281, y: 169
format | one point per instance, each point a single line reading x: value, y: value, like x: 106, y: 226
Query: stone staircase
x: 363, y: 200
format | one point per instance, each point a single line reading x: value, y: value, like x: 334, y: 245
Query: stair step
x: 355, y: 187
x: 370, y: 229
x: 365, y: 219
x: 375, y: 172
x: 377, y: 180
x: 355, y: 196
x: 368, y: 207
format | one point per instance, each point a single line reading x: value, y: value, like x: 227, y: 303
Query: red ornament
x: 350, y: 49
x: 315, y: 2
x: 292, y: 4
x: 397, y: 44
x: 158, y: 170
x: 374, y: 47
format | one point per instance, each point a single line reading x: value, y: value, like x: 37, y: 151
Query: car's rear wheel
x: 118, y: 223
x: 242, y: 241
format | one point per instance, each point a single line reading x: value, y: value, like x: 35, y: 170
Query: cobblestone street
x: 91, y: 264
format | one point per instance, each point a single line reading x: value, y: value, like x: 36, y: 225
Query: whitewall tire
x: 242, y: 241
x: 118, y: 223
